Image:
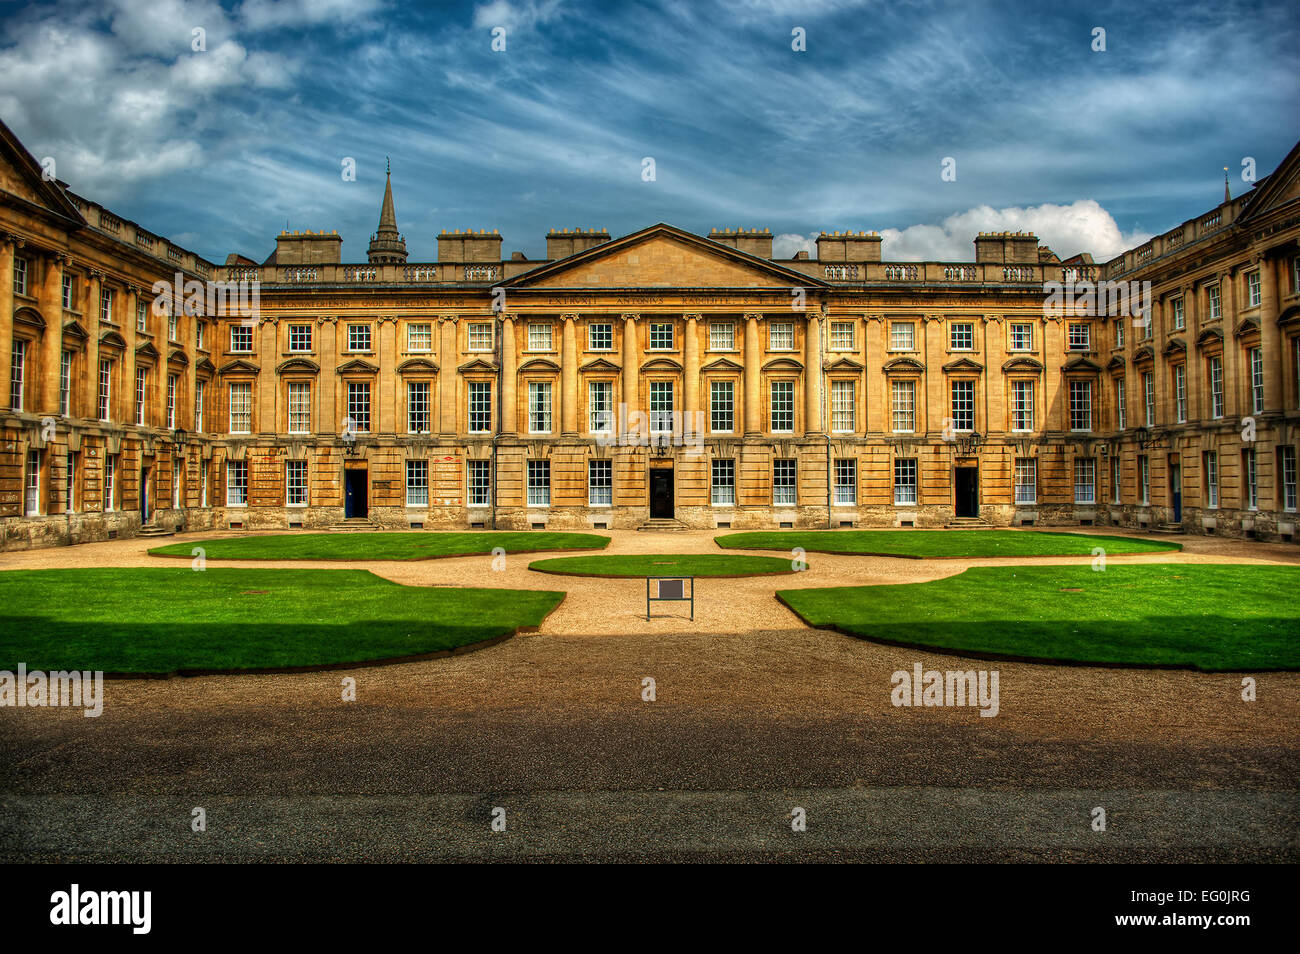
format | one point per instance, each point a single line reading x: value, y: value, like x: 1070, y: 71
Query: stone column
x: 1270, y: 338
x: 90, y: 374
x: 1236, y: 371
x: 8, y: 245
x: 508, y: 425
x: 691, y: 378
x: 447, y: 374
x: 752, y: 350
x: 630, y: 361
x: 569, y: 379
x: 51, y: 303
x: 812, y: 375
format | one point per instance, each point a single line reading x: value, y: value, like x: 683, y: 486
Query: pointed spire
x: 387, y: 244
x: 1227, y: 196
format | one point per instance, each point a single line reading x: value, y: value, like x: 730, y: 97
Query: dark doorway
x: 967, y: 491
x: 661, y: 492
x: 144, y: 495
x: 355, y: 493
x: 1176, y: 491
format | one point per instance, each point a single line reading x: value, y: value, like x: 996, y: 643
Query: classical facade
x: 658, y: 378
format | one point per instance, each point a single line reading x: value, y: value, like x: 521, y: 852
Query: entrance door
x: 966, y: 488
x: 355, y: 496
x: 144, y: 495
x: 661, y: 492
x: 1176, y: 491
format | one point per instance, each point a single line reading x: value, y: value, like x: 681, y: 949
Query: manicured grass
x: 413, y: 545
x: 922, y: 544
x: 664, y: 564
x: 1205, y: 616
x: 164, y: 620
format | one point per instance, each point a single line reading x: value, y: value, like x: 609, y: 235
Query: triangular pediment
x: 478, y: 364
x: 1209, y: 337
x: 1174, y: 345
x: 147, y: 350
x: 357, y: 366
x: 21, y: 180
x: 239, y: 366
x: 723, y: 364
x: 1115, y: 364
x: 1281, y: 187
x: 417, y: 365
x: 600, y: 364
x: 964, y: 365
x: 205, y: 366
x: 1247, y: 326
x: 662, y: 256
x: 74, y: 329
x: 1081, y: 366
x: 845, y: 364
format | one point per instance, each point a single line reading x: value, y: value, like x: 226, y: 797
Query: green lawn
x: 164, y: 620
x: 408, y: 545
x: 1207, y: 616
x: 664, y: 564
x: 922, y: 544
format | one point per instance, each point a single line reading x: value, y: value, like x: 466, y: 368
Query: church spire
x: 1227, y: 196
x: 387, y: 244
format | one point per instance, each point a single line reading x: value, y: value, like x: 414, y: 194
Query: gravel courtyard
x: 753, y: 715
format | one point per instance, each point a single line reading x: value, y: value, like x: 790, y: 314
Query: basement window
x: 235, y: 525
x: 907, y: 523
x: 787, y: 525
x: 1027, y: 521
x: 600, y: 526
x: 112, y: 534
x: 1085, y: 523
x: 417, y: 526
x: 846, y: 523
x: 295, y: 525
x: 539, y: 526
x: 477, y: 526
x: 724, y: 524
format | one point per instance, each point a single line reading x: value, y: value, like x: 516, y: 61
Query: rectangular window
x: 1022, y: 337
x: 359, y: 406
x: 1144, y: 480
x: 198, y: 405
x: 241, y: 339
x: 299, y: 407
x: 32, y: 485
x: 141, y: 317
x: 783, y: 482
x: 70, y: 484
x: 67, y: 291
x: 110, y: 482
x: 358, y: 337
x: 1253, y: 293
x: 1180, y: 392
x: 842, y: 336
x: 295, y: 483
x: 1080, y: 405
x: 173, y: 327
x: 781, y: 394
x: 846, y: 482
x: 480, y: 483
x: 780, y: 336
x: 17, y: 374
x: 1120, y: 409
x: 539, y: 336
x: 1119, y: 333
x: 661, y: 336
x: 140, y: 382
x: 419, y: 337
x: 1216, y: 307
x: 20, y: 276
x: 661, y: 407
x: 1250, y: 479
x: 539, y: 407
x: 171, y: 401
x: 105, y: 389
x: 1080, y: 336
x: 236, y: 483
x: 600, y: 336
x: 1026, y: 480
x: 1116, y: 472
x: 417, y: 483
x: 905, y: 480
x: 902, y: 336
x: 961, y: 337
x: 1211, y: 479
x: 963, y: 405
x: 722, y: 484
x: 480, y: 407
x: 479, y: 337
x: 106, y: 305
x: 417, y: 407
x: 600, y: 407
x: 1288, y: 478
x: 300, y: 338
x: 722, y: 336
x: 1216, y: 387
x: 722, y: 406
x: 904, y: 406
x: 200, y: 335
x: 843, y: 407
x: 600, y: 483
x: 65, y: 383
x: 241, y: 407
x: 1022, y: 405
x: 1180, y: 315
x: 1256, y: 361
x: 1149, y: 397
x: 203, y: 483
x: 1085, y: 480
x: 539, y: 483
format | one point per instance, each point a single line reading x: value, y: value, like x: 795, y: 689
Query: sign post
x: 669, y: 589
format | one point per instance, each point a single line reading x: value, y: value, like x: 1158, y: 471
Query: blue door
x: 1176, y: 491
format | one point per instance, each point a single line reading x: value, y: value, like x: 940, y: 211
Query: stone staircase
x: 663, y: 523
x: 1168, y: 528
x: 155, y: 530
x: 353, y: 525
x: 967, y: 523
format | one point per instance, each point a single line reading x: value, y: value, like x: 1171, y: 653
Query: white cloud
x: 277, y: 14
x: 787, y: 243
x: 519, y: 16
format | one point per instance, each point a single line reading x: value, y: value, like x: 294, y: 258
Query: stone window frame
x: 732, y: 379
x: 286, y: 382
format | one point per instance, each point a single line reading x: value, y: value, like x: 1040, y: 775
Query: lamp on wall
x: 180, y: 437
x: 969, y: 443
x: 1144, y: 437
x: 660, y: 445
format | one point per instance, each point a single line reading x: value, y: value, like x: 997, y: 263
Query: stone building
x: 660, y: 378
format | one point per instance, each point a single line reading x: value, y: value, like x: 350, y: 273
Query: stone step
x: 663, y: 523
x: 1169, y: 528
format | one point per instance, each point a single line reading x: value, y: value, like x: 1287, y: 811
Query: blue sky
x: 219, y: 149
